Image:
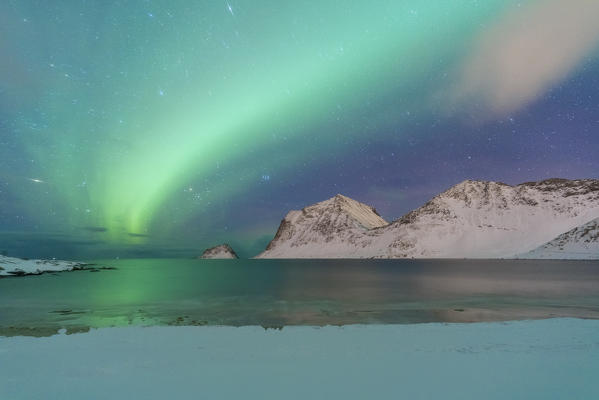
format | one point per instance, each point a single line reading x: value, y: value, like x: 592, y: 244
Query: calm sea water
x: 275, y: 293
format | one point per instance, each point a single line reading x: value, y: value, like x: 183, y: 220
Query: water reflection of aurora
x: 276, y: 293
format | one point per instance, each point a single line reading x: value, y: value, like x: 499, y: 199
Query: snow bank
x: 547, y: 359
x: 10, y: 266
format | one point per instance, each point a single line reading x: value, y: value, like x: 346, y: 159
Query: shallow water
x: 275, y: 293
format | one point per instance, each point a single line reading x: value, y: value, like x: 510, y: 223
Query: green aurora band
x: 123, y: 104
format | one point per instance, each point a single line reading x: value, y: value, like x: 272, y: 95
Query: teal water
x: 275, y: 293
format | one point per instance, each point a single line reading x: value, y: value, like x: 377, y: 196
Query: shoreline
x: 75, y: 329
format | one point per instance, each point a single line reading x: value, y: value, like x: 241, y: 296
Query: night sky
x: 159, y: 128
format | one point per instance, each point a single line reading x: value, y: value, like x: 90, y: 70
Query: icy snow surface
x: 547, y: 359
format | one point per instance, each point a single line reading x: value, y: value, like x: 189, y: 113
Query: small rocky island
x: 221, y: 251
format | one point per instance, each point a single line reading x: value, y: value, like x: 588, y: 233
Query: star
x: 230, y: 9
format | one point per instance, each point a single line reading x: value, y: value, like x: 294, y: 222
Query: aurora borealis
x: 163, y: 127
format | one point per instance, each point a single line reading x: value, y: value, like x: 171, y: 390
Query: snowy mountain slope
x: 473, y: 219
x: 220, y: 251
x: 489, y: 219
x: 581, y: 242
x: 10, y: 266
x: 329, y: 229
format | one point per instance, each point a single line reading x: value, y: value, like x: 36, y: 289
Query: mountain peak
x: 363, y: 214
x: 323, y: 222
x: 471, y: 184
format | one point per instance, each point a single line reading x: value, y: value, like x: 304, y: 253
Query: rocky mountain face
x: 332, y: 228
x: 581, y: 242
x: 220, y: 251
x: 474, y: 219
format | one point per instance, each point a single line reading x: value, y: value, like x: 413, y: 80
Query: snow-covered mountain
x: 332, y: 228
x: 581, y: 242
x: 220, y: 251
x: 10, y: 266
x: 474, y: 219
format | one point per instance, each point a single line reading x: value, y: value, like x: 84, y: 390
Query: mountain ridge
x: 474, y: 219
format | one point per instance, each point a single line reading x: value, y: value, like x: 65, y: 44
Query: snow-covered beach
x: 543, y: 359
